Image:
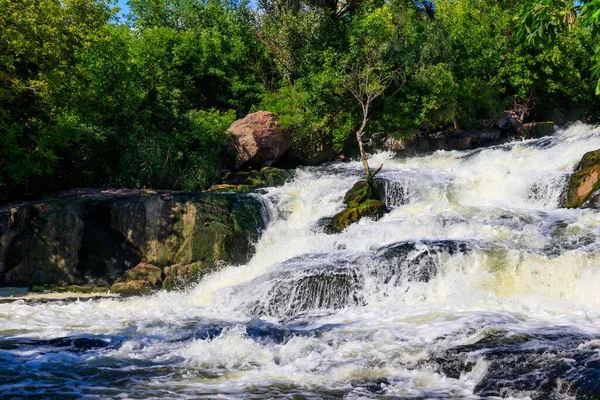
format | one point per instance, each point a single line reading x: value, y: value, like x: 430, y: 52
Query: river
x: 474, y: 285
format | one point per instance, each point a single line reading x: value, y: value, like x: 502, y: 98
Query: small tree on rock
x: 369, y: 69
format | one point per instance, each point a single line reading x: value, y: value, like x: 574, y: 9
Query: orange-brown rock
x: 257, y: 140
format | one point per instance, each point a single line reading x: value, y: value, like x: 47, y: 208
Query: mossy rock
x: 584, y: 181
x: 131, y: 288
x: 145, y: 272
x: 98, y: 240
x: 179, y: 276
x: 250, y: 181
x: 370, y: 208
x: 359, y: 193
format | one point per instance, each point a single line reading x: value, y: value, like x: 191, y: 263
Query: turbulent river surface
x: 475, y: 284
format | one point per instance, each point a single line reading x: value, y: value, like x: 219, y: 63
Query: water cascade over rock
x: 94, y: 239
x: 476, y: 283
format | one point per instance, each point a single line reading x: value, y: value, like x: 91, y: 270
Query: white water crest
x: 475, y: 284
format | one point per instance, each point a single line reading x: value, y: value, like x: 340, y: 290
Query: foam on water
x: 474, y: 265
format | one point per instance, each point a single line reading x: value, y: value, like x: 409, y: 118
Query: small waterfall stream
x: 475, y: 285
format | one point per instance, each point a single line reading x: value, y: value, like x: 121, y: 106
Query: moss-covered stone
x: 362, y: 201
x: 179, y: 276
x: 370, y: 208
x: 359, y: 193
x: 584, y: 181
x: 131, y: 288
x: 93, y: 241
x: 145, y: 272
x: 250, y: 181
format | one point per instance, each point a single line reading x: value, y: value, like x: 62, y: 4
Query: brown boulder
x: 257, y: 140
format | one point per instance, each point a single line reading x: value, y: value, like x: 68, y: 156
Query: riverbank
x: 11, y: 294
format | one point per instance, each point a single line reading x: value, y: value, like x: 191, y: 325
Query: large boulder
x: 95, y: 239
x: 584, y: 181
x: 257, y: 140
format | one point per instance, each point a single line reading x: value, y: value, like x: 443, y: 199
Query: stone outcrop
x: 361, y: 201
x: 257, y: 140
x: 446, y: 140
x: 537, y: 129
x: 451, y: 140
x: 97, y: 239
x: 250, y: 181
x: 584, y: 182
x: 141, y: 279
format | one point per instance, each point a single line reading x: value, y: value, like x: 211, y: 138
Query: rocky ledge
x: 134, y: 241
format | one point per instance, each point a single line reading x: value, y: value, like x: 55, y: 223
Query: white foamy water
x: 475, y: 284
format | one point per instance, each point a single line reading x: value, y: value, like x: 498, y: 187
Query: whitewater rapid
x: 475, y: 284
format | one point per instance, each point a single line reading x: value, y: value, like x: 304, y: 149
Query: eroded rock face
x: 257, y: 140
x: 584, y: 181
x: 94, y: 240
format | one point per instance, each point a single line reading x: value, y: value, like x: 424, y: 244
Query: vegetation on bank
x: 87, y: 99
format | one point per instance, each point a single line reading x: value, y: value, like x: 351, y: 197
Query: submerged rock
x: 246, y: 182
x: 93, y: 240
x: 257, y: 140
x: 584, y: 181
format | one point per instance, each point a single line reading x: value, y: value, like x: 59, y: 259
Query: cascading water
x: 475, y: 285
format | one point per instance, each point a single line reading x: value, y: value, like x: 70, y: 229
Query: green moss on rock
x: 362, y: 201
x: 359, y: 193
x: 93, y: 241
x: 179, y: 276
x: 584, y: 181
x: 370, y: 208
x: 146, y: 272
x: 131, y: 288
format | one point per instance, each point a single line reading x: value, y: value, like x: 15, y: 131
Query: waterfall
x: 475, y: 284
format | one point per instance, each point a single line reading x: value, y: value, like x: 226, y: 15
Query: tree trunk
x: 368, y: 174
x: 361, y: 147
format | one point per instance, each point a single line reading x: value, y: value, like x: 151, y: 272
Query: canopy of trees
x: 88, y: 99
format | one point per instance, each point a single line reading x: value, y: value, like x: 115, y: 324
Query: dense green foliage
x: 87, y: 99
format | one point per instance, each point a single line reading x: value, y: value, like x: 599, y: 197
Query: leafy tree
x: 545, y: 21
x: 38, y: 43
